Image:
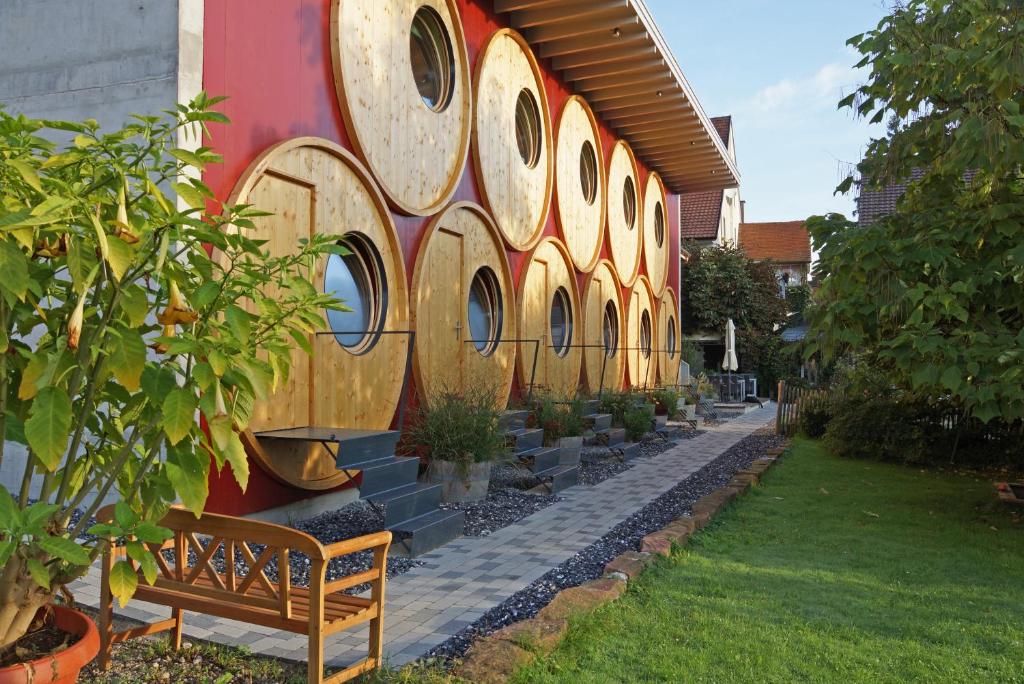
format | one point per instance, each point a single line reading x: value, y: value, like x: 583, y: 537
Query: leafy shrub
x: 666, y: 401
x: 460, y: 427
x: 883, y: 427
x: 693, y: 355
x: 558, y: 418
x: 637, y: 421
x: 815, y: 417
x: 617, y: 404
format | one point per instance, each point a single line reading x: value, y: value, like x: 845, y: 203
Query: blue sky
x: 778, y: 67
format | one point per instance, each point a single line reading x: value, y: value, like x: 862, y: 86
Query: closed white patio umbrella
x: 729, y: 363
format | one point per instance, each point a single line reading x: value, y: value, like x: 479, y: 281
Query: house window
x: 358, y: 280
x: 561, y: 322
x: 645, y: 334
x: 528, y: 133
x: 432, y: 58
x: 588, y: 172
x: 659, y: 225
x: 610, y: 329
x: 670, y: 339
x: 485, y: 311
x: 629, y: 202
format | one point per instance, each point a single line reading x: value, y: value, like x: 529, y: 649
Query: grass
x: 832, y: 570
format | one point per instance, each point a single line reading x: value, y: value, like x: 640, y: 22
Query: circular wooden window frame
x: 668, y: 310
x: 566, y: 197
x: 616, y: 220
x: 547, y: 151
x: 616, y: 364
x: 492, y: 291
x: 448, y: 80
x: 655, y: 256
x: 397, y: 313
x: 510, y: 323
x: 464, y: 114
x: 652, y: 360
x: 573, y: 355
x: 562, y: 295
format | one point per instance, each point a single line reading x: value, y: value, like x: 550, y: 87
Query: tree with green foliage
x: 720, y: 283
x: 123, y: 318
x: 935, y: 291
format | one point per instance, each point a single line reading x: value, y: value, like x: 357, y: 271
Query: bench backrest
x: 250, y: 544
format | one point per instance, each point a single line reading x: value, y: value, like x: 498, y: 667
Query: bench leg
x: 176, y: 615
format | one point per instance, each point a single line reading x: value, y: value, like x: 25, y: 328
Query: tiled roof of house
x: 874, y: 204
x: 722, y: 124
x: 700, y: 214
x: 786, y: 242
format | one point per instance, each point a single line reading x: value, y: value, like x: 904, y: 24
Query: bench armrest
x: 370, y: 541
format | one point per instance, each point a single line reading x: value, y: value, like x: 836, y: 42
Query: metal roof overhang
x: 612, y: 53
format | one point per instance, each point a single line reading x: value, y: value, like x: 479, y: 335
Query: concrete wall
x: 78, y: 59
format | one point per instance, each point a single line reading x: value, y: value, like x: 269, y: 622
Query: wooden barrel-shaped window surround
x: 353, y: 379
x: 402, y: 78
x: 580, y: 183
x: 549, y: 311
x: 513, y: 151
x: 463, y: 306
x: 641, y: 334
x: 669, y: 338
x: 656, y: 233
x: 625, y: 216
x: 604, y: 320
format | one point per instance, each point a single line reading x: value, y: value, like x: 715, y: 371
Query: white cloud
x: 824, y: 87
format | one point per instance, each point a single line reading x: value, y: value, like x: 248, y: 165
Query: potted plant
x: 462, y: 437
x: 666, y: 404
x: 118, y: 329
x: 562, y: 422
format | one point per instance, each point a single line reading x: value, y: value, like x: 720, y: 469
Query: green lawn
x: 831, y: 570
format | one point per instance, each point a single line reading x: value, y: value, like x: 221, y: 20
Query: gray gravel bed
x: 507, y: 502
x: 589, y: 563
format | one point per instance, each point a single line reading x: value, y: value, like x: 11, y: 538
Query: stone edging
x: 494, y: 659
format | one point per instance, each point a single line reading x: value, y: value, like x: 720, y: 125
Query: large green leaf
x: 48, y: 426
x: 127, y: 358
x: 40, y: 575
x: 120, y: 256
x: 239, y: 461
x: 188, y: 473
x: 14, y: 267
x: 135, y: 303
x: 179, y: 409
x: 28, y: 174
x: 123, y: 582
x: 64, y: 549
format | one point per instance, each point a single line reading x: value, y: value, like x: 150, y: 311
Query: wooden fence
x: 792, y: 402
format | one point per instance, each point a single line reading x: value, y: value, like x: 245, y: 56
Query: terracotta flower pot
x: 62, y: 667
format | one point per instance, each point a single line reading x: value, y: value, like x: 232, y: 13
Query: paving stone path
x: 464, y: 579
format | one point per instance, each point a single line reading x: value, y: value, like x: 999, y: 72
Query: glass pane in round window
x: 433, y: 62
x: 561, y: 322
x: 484, y: 311
x: 528, y: 128
x: 610, y: 329
x: 588, y: 172
x: 629, y: 202
x: 659, y: 225
x: 645, y: 334
x: 357, y: 280
x: 671, y: 341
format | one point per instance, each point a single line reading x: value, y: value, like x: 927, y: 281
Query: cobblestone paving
x: 461, y: 581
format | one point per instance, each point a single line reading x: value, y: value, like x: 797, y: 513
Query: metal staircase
x: 409, y: 508
x: 527, y: 446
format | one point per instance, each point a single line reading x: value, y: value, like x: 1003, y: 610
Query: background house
x: 786, y: 243
x: 713, y: 216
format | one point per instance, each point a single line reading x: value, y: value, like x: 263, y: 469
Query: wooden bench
x: 247, y: 594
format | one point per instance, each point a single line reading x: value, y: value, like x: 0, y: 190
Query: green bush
x: 459, y: 427
x: 882, y: 427
x: 666, y: 401
x: 558, y: 418
x: 692, y: 354
x: 617, y: 404
x: 637, y: 421
x: 815, y: 417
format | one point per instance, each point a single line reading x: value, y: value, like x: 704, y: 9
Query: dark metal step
x: 598, y: 421
x: 524, y: 439
x: 609, y: 437
x: 629, y: 450
x: 540, y: 458
x: 388, y: 475
x: 427, y: 532
x: 513, y: 419
x: 407, y: 502
x: 353, y: 446
x: 565, y: 477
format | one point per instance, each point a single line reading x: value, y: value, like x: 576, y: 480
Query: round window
x: 433, y: 61
x: 645, y: 334
x: 610, y: 329
x: 629, y: 202
x: 561, y: 322
x: 588, y: 172
x: 671, y: 338
x: 528, y: 135
x: 659, y: 225
x: 484, y: 311
x: 358, y: 280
